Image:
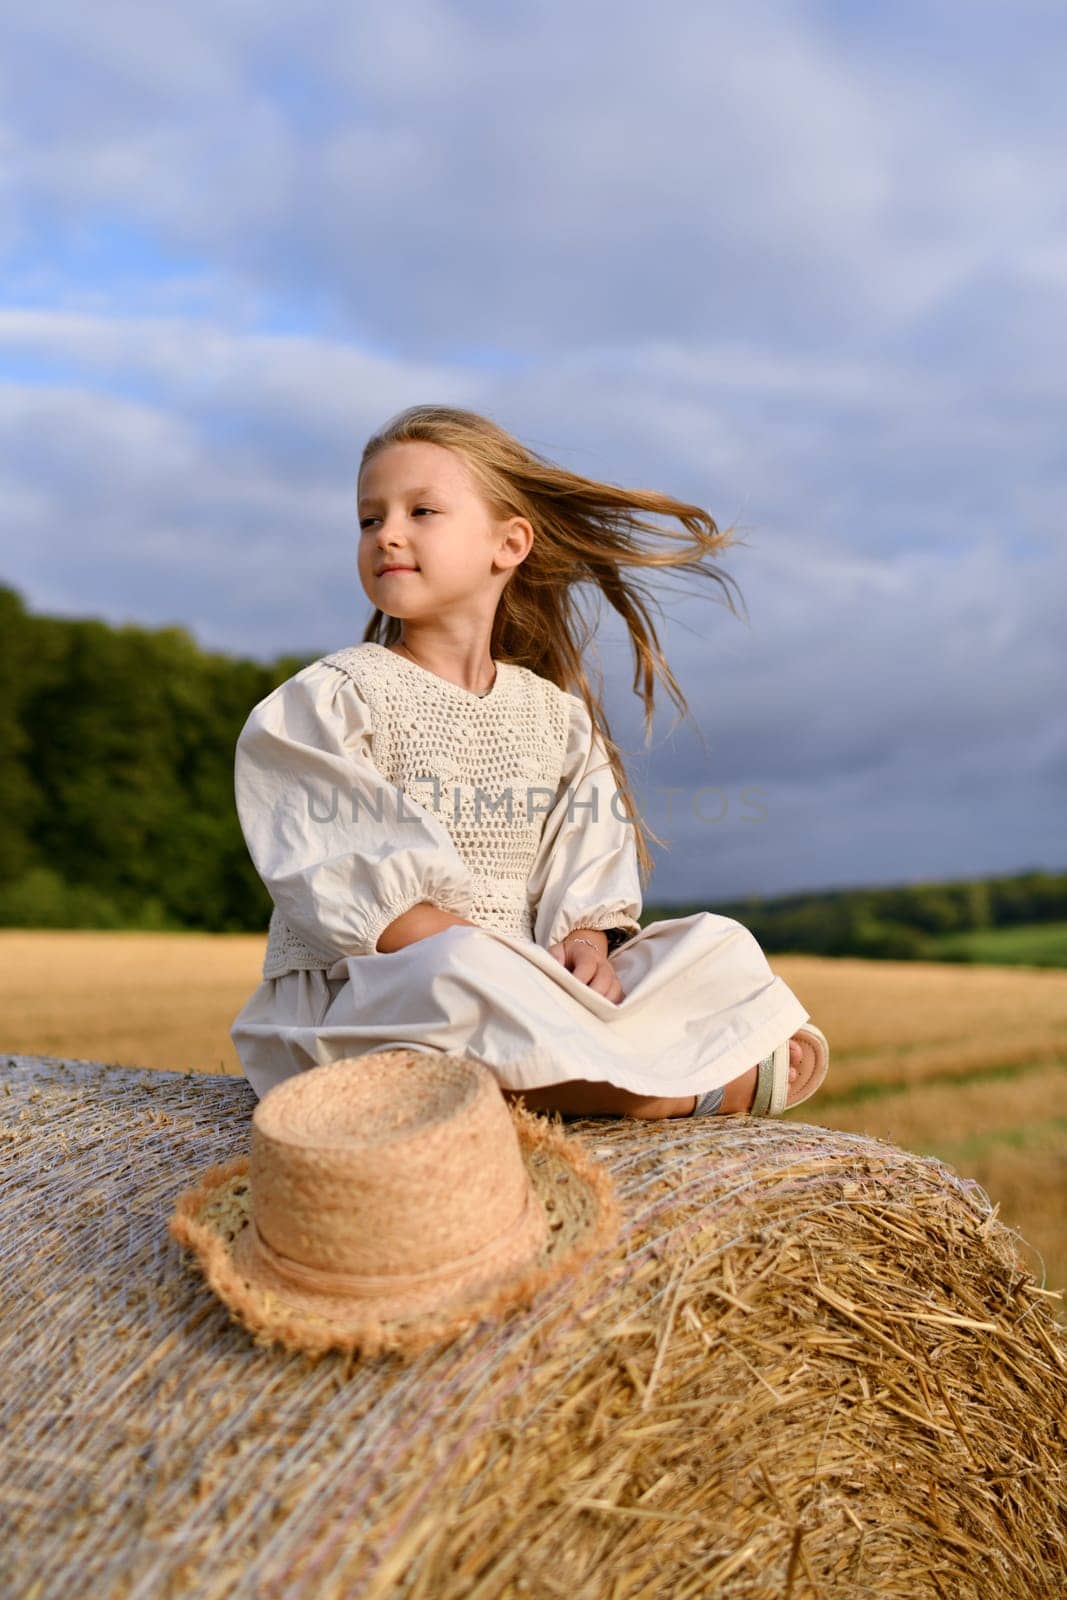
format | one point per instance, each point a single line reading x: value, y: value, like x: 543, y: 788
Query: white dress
x: 367, y: 783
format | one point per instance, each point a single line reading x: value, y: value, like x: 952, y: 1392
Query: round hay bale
x: 814, y: 1364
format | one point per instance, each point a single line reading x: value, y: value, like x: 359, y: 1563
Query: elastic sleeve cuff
x: 455, y: 902
x: 599, y: 921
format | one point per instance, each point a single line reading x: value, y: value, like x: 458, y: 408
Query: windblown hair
x: 585, y: 536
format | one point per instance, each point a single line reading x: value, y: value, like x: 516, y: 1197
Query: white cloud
x: 543, y: 176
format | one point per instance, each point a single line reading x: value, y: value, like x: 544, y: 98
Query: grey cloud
x: 715, y: 168
x: 800, y: 268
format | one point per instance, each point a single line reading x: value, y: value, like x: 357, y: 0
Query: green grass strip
x: 859, y: 1092
x: 1026, y: 1136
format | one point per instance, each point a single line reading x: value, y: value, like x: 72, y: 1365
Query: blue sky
x: 805, y: 264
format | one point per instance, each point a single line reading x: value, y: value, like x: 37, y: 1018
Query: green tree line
x: 901, y: 922
x: 116, y: 777
x: 117, y: 811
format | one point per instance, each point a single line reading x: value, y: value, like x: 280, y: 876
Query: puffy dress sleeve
x: 586, y: 873
x: 342, y: 851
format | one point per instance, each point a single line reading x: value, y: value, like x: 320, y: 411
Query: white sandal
x: 772, y: 1084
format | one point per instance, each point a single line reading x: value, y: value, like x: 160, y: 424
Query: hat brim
x: 211, y: 1219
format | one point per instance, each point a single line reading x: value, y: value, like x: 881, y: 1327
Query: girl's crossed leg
x: 581, y: 1098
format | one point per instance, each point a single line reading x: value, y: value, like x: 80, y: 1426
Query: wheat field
x: 965, y: 1063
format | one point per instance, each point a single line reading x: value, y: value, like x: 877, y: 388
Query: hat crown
x: 391, y: 1166
x: 464, y: 1206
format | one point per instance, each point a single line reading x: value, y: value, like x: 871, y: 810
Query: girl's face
x: 421, y: 514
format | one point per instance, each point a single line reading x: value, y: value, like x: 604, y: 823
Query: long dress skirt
x: 701, y: 1005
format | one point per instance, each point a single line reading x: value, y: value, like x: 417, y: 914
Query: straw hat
x: 391, y: 1201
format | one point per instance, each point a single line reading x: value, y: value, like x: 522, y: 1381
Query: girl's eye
x: 365, y: 522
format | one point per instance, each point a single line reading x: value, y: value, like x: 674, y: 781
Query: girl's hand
x: 588, y: 965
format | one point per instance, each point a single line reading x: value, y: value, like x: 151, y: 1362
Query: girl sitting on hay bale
x: 447, y: 831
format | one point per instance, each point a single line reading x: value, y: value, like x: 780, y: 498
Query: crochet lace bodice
x: 443, y: 746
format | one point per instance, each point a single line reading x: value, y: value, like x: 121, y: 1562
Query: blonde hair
x: 584, y: 534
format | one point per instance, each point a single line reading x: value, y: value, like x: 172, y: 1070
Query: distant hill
x: 1006, y: 920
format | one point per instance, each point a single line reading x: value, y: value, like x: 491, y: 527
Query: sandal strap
x: 772, y: 1087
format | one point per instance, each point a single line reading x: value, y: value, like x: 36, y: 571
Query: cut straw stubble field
x: 969, y: 1064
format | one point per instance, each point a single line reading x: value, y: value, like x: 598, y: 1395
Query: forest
x: 117, y: 811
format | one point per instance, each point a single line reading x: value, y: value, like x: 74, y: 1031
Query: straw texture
x: 811, y: 1365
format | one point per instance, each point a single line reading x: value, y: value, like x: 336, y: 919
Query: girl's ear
x: 515, y: 546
